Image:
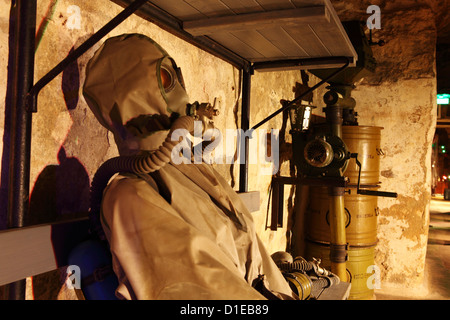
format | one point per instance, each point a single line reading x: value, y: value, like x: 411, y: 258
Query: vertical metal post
x: 245, y: 125
x: 275, y: 204
x: 21, y: 82
x: 338, y: 246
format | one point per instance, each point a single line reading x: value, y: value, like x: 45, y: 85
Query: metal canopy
x: 257, y: 31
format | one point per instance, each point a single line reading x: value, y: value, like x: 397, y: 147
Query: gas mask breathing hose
x: 296, y: 274
x: 137, y: 164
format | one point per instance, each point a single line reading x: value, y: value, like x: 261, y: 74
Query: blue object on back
x: 91, y: 256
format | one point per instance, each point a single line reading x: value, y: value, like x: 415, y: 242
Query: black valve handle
x: 370, y: 192
x: 377, y: 193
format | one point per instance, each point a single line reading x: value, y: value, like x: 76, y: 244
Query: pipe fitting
x: 137, y: 164
x: 338, y: 253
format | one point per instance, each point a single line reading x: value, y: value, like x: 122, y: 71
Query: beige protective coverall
x: 182, y: 232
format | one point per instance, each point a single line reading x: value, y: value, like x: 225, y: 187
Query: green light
x: 443, y: 98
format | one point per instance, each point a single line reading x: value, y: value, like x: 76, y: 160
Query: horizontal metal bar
x: 377, y: 193
x: 313, y: 181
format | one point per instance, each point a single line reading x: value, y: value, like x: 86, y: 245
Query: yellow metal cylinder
x: 337, y: 219
x: 359, y: 267
x: 337, y: 235
x: 360, y: 212
x: 364, y: 140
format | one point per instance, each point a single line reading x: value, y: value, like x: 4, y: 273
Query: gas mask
x: 135, y: 90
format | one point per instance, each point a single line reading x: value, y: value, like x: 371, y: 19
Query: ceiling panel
x: 263, y: 30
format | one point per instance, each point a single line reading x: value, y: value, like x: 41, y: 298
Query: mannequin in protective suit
x: 180, y: 232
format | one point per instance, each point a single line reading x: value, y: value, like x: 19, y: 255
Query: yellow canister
x: 361, y: 217
x: 360, y: 266
x: 365, y: 141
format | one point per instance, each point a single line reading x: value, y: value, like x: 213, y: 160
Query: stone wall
x: 401, y: 98
x: 68, y: 142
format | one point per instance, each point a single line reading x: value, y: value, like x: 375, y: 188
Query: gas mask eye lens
x: 166, y: 79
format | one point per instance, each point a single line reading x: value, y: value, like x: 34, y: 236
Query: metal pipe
x: 22, y: 80
x: 245, y: 124
x: 338, y: 243
x: 74, y: 55
x: 24, y: 13
x: 338, y: 246
x: 335, y: 119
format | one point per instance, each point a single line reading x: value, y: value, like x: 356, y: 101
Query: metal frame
x: 21, y: 77
x: 24, y: 13
x: 25, y: 93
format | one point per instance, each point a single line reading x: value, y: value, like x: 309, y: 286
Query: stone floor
x: 437, y: 265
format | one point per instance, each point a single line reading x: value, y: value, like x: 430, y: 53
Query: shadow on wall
x: 58, y: 191
x: 61, y: 191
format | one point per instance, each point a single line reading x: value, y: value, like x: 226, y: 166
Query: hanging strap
x: 99, y: 275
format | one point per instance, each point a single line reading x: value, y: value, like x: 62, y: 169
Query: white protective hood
x: 124, y: 89
x: 181, y: 232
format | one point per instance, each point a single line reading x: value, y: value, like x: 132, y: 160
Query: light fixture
x: 300, y: 116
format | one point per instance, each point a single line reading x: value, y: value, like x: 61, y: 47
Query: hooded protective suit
x: 181, y: 232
